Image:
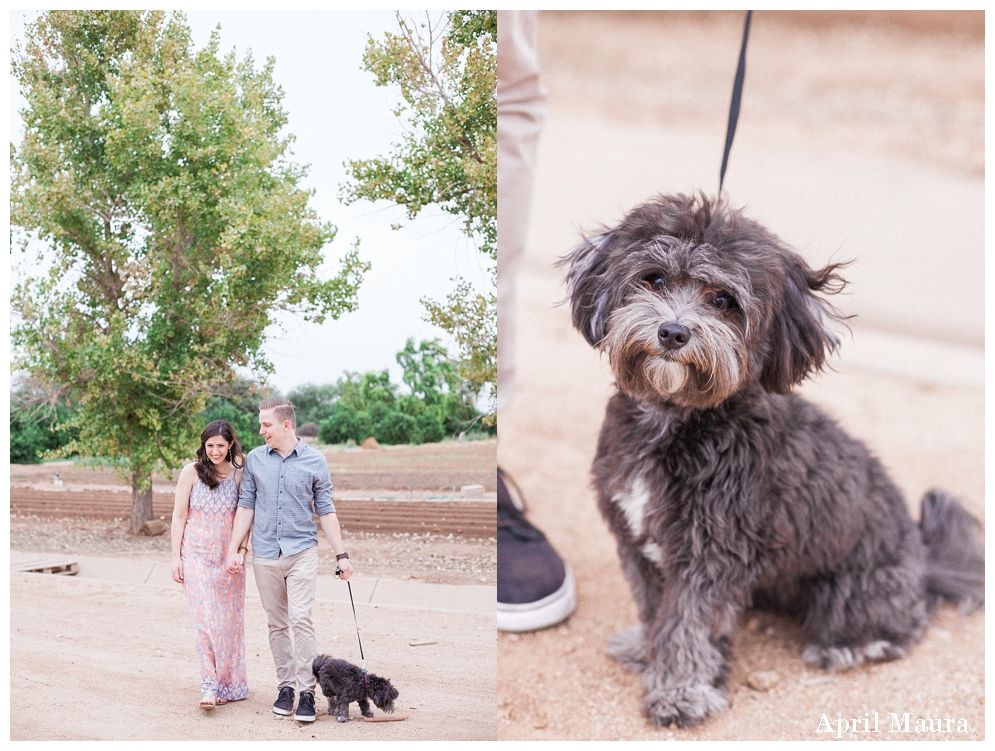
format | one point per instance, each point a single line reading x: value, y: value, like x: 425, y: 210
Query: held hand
x: 234, y: 562
x: 345, y: 569
x: 177, y: 570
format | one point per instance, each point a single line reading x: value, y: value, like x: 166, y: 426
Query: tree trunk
x: 141, y: 501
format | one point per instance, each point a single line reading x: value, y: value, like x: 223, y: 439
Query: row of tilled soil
x: 469, y: 518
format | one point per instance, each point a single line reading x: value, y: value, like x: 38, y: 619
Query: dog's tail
x: 955, y: 559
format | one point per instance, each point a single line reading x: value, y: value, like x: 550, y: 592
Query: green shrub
x: 395, y: 427
x: 34, y: 432
x: 429, y: 428
x: 343, y: 424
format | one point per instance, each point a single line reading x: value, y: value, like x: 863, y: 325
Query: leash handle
x: 737, y: 93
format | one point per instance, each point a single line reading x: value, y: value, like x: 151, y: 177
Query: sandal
x: 209, y: 701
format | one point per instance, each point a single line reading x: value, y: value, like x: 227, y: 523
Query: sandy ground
x: 115, y: 661
x: 881, y: 92
x: 98, y: 660
x: 433, y: 558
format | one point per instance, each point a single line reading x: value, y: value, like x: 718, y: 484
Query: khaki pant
x: 286, y: 588
x: 521, y: 105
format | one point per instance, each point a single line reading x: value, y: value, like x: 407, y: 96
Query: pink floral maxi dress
x: 216, y: 598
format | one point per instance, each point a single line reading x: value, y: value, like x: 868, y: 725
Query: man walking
x: 284, y: 484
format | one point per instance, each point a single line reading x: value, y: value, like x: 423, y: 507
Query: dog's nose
x: 673, y: 335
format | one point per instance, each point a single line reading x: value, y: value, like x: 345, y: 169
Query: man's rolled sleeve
x: 247, y: 496
x: 323, y: 491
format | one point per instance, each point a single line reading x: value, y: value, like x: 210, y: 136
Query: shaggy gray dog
x: 342, y: 682
x: 722, y: 488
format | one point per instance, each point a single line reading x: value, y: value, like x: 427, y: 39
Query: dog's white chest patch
x: 633, y: 504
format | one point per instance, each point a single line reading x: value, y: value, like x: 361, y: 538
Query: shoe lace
x: 511, y: 518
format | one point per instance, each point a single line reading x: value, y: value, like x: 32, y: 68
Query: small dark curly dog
x: 342, y: 682
x: 723, y: 489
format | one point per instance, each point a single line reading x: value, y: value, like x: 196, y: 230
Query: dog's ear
x: 800, y: 337
x: 590, y: 287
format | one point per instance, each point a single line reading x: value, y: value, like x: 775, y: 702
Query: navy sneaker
x: 285, y: 703
x: 535, y: 587
x: 305, y: 707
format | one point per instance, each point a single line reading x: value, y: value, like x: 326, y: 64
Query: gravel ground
x: 436, y: 558
x: 440, y: 559
x: 120, y: 660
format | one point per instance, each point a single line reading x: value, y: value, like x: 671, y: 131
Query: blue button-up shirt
x: 285, y: 493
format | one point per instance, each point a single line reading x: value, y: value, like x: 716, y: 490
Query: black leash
x: 356, y: 621
x: 737, y: 93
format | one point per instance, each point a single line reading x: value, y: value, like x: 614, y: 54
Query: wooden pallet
x: 64, y: 566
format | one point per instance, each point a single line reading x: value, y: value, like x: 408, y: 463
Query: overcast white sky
x: 336, y: 113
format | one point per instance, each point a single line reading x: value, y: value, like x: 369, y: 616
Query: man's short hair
x: 282, y: 410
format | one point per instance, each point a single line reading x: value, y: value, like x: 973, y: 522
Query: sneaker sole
x: 533, y: 616
x: 301, y: 718
x: 282, y: 712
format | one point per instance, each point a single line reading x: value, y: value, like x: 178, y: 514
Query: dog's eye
x: 655, y: 282
x: 722, y: 301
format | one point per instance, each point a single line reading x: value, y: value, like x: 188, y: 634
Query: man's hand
x: 330, y: 526
x: 345, y: 569
x: 234, y: 562
x: 240, y: 528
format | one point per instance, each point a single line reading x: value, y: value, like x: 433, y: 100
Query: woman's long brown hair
x: 206, y: 470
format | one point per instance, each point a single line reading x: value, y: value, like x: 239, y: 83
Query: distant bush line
x: 434, y: 405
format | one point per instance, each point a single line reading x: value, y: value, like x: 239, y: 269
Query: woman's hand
x: 234, y: 562
x: 177, y: 570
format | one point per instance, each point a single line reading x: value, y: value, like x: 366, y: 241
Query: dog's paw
x: 368, y: 713
x: 837, y: 659
x: 628, y: 648
x: 340, y: 718
x: 684, y: 706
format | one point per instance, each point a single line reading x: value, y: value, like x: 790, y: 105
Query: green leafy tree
x: 314, y: 403
x: 363, y: 391
x: 238, y: 403
x: 427, y: 371
x: 436, y: 386
x: 439, y: 401
x: 34, y: 424
x: 445, y: 71
x: 156, y: 179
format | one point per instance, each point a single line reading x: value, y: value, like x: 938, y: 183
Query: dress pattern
x: 216, y: 598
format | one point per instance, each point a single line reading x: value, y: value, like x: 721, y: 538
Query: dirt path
x: 433, y: 558
x: 98, y: 660
x: 101, y: 660
x: 910, y: 92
